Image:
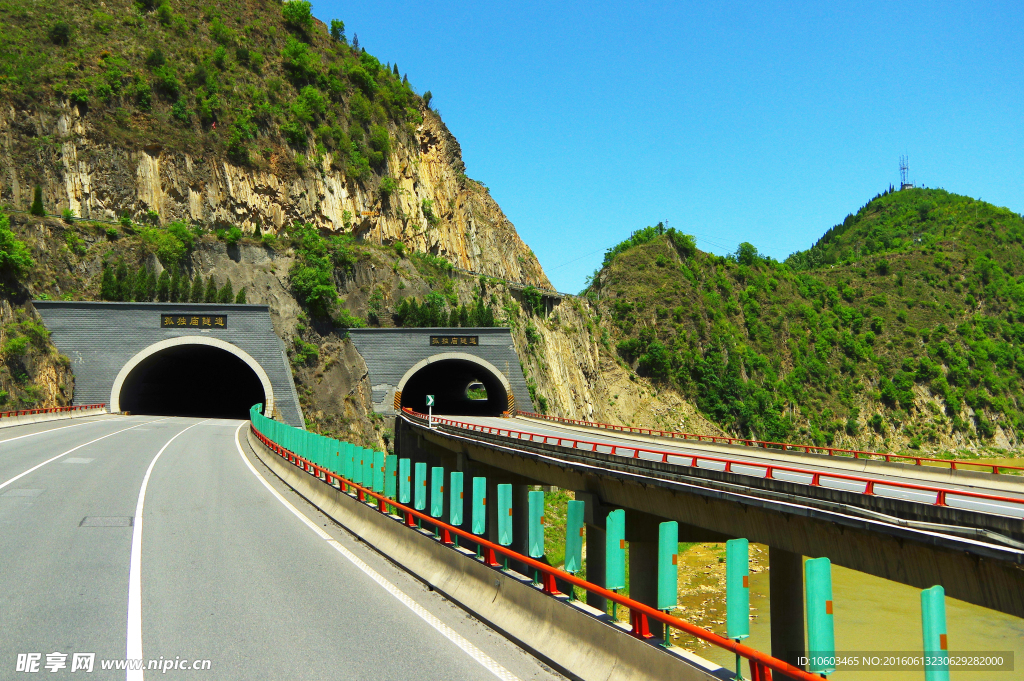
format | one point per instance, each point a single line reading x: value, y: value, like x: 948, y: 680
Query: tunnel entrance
x: 192, y: 380
x: 460, y: 387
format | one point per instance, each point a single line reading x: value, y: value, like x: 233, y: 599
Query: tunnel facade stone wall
x: 390, y: 355
x: 101, y: 338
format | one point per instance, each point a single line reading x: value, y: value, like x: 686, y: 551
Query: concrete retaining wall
x: 581, y: 641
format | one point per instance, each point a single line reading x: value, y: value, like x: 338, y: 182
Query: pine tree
x: 163, y: 287
x: 140, y: 289
x: 172, y: 292
x: 124, y: 282
x: 211, y: 291
x: 395, y: 70
x: 197, y: 289
x: 240, y: 298
x: 151, y: 286
x: 37, y: 202
x: 108, y: 289
x: 226, y: 294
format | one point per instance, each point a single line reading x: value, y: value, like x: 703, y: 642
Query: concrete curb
x: 10, y: 421
x: 581, y: 641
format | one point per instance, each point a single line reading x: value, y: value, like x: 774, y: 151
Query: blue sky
x: 759, y: 122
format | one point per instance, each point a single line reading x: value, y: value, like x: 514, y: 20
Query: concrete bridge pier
x: 786, y: 595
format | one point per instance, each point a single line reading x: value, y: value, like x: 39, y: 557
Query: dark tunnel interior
x: 192, y: 380
x: 447, y: 380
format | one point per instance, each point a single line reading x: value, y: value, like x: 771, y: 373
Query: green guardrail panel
x: 378, y: 472
x: 390, y: 475
x: 367, y: 467
x: 436, y: 491
x: 737, y: 589
x: 419, y: 492
x: 456, y: 504
x: 933, y: 629
x: 821, y: 638
x: 505, y: 514
x: 668, y: 569
x: 357, y: 465
x: 346, y: 460
x: 615, y: 550
x: 336, y: 460
x: 574, y: 536
x: 535, y: 503
x: 478, y: 512
x: 404, y: 481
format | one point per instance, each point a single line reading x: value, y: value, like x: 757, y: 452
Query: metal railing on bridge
x: 871, y: 486
x: 51, y: 410
x: 783, y: 446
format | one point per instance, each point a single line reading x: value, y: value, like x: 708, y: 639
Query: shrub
x: 155, y: 58
x: 226, y: 293
x: 295, y: 133
x: 15, y: 260
x: 102, y: 22
x: 15, y: 346
x: 60, y: 33
x: 427, y: 206
x: 233, y: 236
x: 388, y: 187
x: 240, y: 298
x: 221, y: 33
x: 67, y: 215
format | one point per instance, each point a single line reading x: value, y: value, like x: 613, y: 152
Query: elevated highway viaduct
x: 972, y: 546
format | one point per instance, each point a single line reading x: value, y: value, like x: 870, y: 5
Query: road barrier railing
x: 784, y: 446
x: 50, y: 410
x: 761, y: 664
x: 940, y: 496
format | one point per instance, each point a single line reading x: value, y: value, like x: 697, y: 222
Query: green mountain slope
x: 245, y: 79
x: 902, y: 327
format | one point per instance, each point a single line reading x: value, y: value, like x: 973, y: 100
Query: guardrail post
x: 642, y: 533
x: 419, y: 492
x: 436, y: 494
x: 478, y: 510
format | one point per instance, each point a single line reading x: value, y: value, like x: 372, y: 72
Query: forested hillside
x: 902, y: 327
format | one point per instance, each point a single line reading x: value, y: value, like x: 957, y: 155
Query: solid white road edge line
x: 73, y: 449
x: 134, y: 638
x: 480, y: 656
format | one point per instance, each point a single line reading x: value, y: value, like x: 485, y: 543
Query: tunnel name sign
x: 455, y: 340
x: 198, y: 321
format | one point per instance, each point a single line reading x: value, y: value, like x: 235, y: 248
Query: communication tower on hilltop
x: 904, y: 168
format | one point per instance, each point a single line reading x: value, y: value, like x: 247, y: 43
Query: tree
x: 37, y: 202
x: 211, y: 291
x: 226, y: 293
x: 184, y: 289
x: 355, y: 42
x: 240, y: 298
x: 338, y: 30
x: 108, y: 287
x: 196, y: 295
x: 124, y: 282
x: 151, y: 285
x: 174, y: 287
x: 394, y: 69
x: 298, y: 13
x: 140, y: 287
x: 163, y: 287
x: 427, y: 96
x: 746, y: 254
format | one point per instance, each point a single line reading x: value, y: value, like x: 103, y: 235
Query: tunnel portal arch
x: 446, y: 376
x: 156, y: 349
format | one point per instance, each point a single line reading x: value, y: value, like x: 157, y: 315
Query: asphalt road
x: 758, y: 458
x: 219, y: 569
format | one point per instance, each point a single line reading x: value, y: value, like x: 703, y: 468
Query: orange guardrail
x: 761, y: 664
x: 765, y: 444
x: 50, y: 410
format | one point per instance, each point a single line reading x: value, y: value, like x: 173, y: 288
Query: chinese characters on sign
x: 455, y: 340
x: 197, y: 321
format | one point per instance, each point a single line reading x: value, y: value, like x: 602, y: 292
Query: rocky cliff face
x: 436, y: 209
